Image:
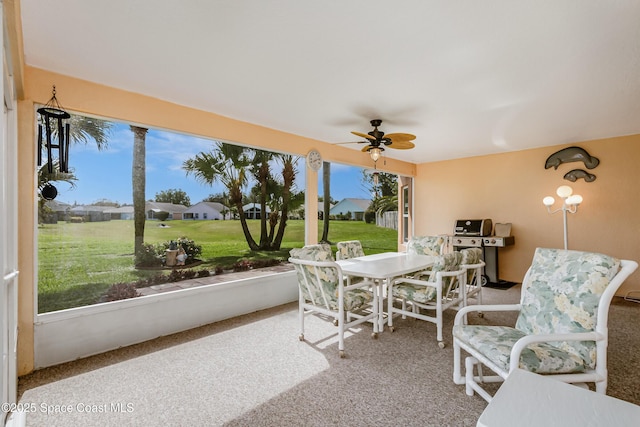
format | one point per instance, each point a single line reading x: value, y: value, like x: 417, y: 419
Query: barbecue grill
x: 476, y: 233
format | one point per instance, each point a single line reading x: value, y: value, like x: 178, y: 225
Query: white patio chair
x: 561, y: 329
x: 426, y: 245
x: 444, y: 288
x: 323, y: 289
x: 473, y: 264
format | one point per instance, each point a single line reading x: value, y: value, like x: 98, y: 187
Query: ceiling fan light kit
x: 378, y: 140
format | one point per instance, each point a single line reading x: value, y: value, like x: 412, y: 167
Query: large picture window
x: 199, y: 196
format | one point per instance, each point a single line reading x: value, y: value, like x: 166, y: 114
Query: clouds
x: 106, y: 174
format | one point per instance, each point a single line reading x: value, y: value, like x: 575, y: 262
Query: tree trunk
x: 139, y: 184
x: 263, y: 176
x: 289, y: 176
x: 326, y: 190
x: 235, y: 197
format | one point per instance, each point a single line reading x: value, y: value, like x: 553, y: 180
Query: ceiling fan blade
x: 401, y: 145
x: 367, y: 148
x: 364, y: 135
x: 350, y: 142
x: 395, y: 137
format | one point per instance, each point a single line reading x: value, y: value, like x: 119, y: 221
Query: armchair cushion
x: 323, y: 288
x: 349, y: 249
x: 423, y: 294
x: 426, y: 245
x: 496, y: 342
x: 561, y: 295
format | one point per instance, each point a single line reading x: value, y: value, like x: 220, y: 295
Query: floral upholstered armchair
x: 426, y: 245
x: 473, y: 264
x: 349, y: 249
x: 561, y: 329
x: 444, y: 288
x: 323, y: 289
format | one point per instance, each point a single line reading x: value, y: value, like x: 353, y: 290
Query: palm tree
x: 262, y: 174
x: 326, y: 190
x: 289, y: 176
x: 227, y: 165
x: 138, y: 184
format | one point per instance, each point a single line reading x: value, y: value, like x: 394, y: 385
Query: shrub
x: 242, y: 265
x: 203, y: 273
x: 162, y: 216
x: 120, y: 291
x: 370, y: 217
x: 190, y: 248
x: 148, y: 256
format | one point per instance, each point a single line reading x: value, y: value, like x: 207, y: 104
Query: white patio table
x: 382, y: 268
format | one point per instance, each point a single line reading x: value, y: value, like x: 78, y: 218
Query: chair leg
x: 301, y: 319
x: 341, y: 336
x: 457, y: 375
x: 439, y: 327
x: 469, y: 362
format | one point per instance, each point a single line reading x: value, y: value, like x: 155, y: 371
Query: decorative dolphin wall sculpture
x: 576, y: 174
x: 571, y: 154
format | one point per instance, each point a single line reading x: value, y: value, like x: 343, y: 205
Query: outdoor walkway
x: 217, y: 278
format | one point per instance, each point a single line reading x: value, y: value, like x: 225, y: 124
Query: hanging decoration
x: 55, y: 131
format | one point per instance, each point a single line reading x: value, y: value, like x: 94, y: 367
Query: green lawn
x: 78, y: 262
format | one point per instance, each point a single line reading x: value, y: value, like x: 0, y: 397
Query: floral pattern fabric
x: 426, y: 245
x: 349, y: 249
x: 320, y: 285
x: 424, y: 294
x: 471, y: 256
x: 560, y: 294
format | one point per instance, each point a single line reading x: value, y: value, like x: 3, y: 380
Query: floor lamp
x: 570, y: 204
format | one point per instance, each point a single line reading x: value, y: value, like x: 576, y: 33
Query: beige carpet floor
x: 253, y: 371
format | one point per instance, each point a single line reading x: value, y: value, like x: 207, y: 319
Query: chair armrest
x: 484, y: 308
x: 523, y: 342
x: 414, y: 282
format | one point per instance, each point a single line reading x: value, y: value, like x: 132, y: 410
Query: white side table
x: 527, y: 399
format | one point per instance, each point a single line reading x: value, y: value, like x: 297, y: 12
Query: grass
x: 78, y: 262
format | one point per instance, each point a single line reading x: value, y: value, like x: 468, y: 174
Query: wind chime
x: 56, y: 134
x: 53, y: 132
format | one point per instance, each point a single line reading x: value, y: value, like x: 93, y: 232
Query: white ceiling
x: 467, y: 77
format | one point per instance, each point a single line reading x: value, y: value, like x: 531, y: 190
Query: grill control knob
x: 459, y: 241
x: 473, y: 242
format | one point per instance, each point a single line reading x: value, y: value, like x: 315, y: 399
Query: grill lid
x: 472, y: 227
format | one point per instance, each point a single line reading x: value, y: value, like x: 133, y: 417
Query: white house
x: 354, y: 207
x: 174, y: 211
x: 252, y: 210
x: 207, y: 210
x: 123, y: 212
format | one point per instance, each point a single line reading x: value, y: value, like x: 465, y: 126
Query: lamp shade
x: 564, y: 191
x: 548, y: 201
x: 375, y: 153
x: 576, y: 199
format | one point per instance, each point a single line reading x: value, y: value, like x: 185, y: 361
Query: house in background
x: 90, y: 213
x: 253, y: 211
x: 207, y: 210
x: 355, y: 208
x: 153, y: 210
x: 123, y: 212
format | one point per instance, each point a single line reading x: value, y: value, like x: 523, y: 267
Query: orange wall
x: 510, y: 187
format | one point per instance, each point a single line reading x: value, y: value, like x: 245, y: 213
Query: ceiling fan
x: 378, y: 140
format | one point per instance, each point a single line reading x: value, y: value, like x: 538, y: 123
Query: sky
x: 106, y: 174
